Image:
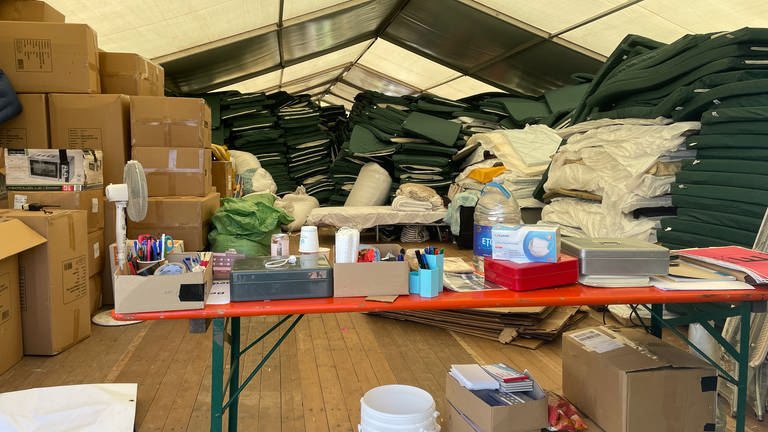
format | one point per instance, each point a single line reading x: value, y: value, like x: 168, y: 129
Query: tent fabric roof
x: 331, y: 49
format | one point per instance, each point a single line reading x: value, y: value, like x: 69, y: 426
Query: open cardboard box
x: 156, y: 293
x: 372, y: 278
x: 525, y: 417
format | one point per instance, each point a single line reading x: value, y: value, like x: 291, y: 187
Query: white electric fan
x: 129, y: 197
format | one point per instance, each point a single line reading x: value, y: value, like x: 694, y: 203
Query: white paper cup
x: 308, y: 242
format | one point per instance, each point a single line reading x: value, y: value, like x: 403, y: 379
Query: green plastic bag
x: 247, y: 224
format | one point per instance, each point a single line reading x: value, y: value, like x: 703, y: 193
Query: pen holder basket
x: 436, y: 263
x: 430, y: 282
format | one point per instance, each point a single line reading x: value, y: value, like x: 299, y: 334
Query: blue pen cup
x: 413, y: 282
x: 429, y: 283
x: 437, y: 263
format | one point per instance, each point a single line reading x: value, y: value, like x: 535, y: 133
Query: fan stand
x: 104, y: 319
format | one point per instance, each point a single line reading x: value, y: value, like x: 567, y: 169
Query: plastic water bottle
x: 495, y: 206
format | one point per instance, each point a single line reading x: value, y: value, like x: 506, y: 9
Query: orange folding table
x: 700, y: 307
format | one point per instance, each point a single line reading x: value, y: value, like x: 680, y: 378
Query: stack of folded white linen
x: 416, y: 197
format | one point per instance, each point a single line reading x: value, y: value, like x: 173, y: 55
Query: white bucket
x: 398, y: 408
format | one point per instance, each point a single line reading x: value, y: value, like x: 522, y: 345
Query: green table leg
x: 217, y: 374
x: 745, y: 312
x: 656, y: 317
x: 234, y: 379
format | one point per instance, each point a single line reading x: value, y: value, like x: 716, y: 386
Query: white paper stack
x: 473, y: 377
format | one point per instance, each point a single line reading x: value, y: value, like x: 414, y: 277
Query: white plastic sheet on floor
x: 74, y: 408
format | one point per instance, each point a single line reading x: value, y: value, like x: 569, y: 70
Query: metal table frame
x: 699, y: 306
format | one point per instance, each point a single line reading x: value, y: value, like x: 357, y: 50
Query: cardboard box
x: 95, y: 253
x: 29, y: 129
x: 354, y: 279
x: 17, y: 237
x: 29, y: 10
x: 525, y: 243
x: 49, y: 57
x: 223, y: 177
x: 53, y: 169
x: 183, y: 218
x: 456, y: 421
x: 94, y: 293
x: 618, y: 377
x: 162, y: 293
x: 97, y: 122
x: 170, y: 122
x: 90, y: 200
x: 55, y: 307
x: 130, y: 74
x: 175, y: 171
x: 526, y: 417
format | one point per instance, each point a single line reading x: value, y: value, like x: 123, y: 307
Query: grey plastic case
x: 251, y: 280
x: 615, y: 256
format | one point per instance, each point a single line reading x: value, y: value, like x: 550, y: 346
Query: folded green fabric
x: 363, y: 141
x: 414, y: 159
x: 726, y: 141
x: 433, y: 128
x: 725, y: 218
x: 714, y: 231
x: 723, y: 179
x: 726, y: 165
x: 688, y: 240
x: 746, y: 154
x: 706, y: 100
x: 736, y: 114
x: 703, y: 203
x: 746, y: 195
x: 428, y: 149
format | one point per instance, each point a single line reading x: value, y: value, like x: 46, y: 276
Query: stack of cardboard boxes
x: 71, y: 139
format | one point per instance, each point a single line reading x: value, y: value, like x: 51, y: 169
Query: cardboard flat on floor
x: 17, y: 237
x: 49, y: 57
x: 55, y: 308
x: 618, y: 376
x: 29, y: 10
x: 373, y: 278
x: 170, y: 122
x: 130, y: 74
x: 183, y: 218
x: 29, y: 129
x: 97, y: 122
x: 53, y: 169
x: 223, y: 177
x: 95, y: 252
x: 162, y: 292
x: 530, y: 416
x: 90, y: 200
x: 176, y: 171
x: 94, y: 293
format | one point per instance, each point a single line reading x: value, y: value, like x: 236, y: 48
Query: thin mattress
x: 370, y: 216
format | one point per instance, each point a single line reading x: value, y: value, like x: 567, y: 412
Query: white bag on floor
x: 299, y: 205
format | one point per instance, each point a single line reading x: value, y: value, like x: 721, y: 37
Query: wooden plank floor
x: 312, y: 383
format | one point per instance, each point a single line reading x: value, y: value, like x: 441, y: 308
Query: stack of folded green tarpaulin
x: 720, y: 79
x: 308, y: 146
x: 333, y: 119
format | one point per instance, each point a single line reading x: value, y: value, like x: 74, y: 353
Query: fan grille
x: 133, y: 177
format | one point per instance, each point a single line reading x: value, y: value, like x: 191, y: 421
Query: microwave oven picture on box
x: 53, y: 169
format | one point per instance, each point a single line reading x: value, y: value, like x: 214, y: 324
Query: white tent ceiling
x: 332, y: 49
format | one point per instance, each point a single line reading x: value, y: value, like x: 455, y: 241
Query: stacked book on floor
x: 528, y: 327
x: 497, y: 384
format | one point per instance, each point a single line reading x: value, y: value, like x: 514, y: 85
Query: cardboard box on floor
x: 49, y: 57
x: 17, y: 237
x: 130, y: 74
x: 223, y: 177
x: 175, y: 171
x: 29, y: 10
x: 183, y: 218
x: 170, y: 122
x: 97, y: 122
x: 95, y: 252
x: 29, y: 129
x: 55, y: 308
x: 90, y: 200
x: 183, y: 291
x: 626, y: 380
x: 94, y: 293
x: 371, y: 279
x: 530, y: 416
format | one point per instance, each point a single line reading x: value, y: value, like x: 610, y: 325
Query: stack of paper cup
x: 347, y: 243
x: 308, y: 242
